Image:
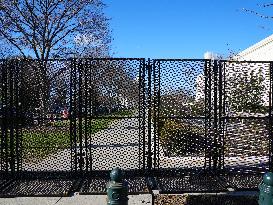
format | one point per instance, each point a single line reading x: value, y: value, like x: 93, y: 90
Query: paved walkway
x: 75, y: 200
x: 116, y: 146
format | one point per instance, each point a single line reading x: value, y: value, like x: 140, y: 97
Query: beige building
x: 261, y: 51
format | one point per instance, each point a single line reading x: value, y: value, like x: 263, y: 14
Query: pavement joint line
x: 58, y: 200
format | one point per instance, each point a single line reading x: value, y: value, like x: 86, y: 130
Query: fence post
x: 270, y: 118
x: 149, y: 103
x: 117, y: 190
x: 266, y: 190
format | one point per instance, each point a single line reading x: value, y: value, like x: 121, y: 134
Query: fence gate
x: 107, y: 114
x: 210, y: 117
x: 185, y: 119
x: 246, y: 115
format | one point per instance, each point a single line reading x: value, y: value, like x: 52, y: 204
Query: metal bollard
x: 117, y: 190
x: 266, y: 190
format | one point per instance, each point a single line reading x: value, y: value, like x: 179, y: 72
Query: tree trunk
x: 44, y: 93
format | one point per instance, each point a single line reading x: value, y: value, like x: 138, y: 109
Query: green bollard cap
x: 116, y: 175
x: 268, y: 178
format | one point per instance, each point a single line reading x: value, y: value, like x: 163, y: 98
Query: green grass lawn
x: 123, y: 113
x: 40, y: 141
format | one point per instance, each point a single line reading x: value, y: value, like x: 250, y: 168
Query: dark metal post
x: 270, y: 119
x: 224, y: 101
x: 11, y: 117
x: 266, y: 190
x: 220, y: 120
x: 215, y: 117
x: 4, y: 143
x: 72, y: 115
x: 208, y: 108
x: 18, y: 116
x: 80, y: 159
x: 156, y: 119
x: 142, y: 119
x: 207, y: 149
x: 149, y: 160
x: 117, y: 190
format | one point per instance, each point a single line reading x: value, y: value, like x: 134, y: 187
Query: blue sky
x: 185, y: 28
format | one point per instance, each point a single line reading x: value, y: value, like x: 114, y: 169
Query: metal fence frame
x: 149, y: 101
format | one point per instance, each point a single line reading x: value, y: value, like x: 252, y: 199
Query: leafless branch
x: 40, y: 27
x: 257, y: 14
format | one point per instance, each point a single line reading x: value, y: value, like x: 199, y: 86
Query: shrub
x: 182, y: 138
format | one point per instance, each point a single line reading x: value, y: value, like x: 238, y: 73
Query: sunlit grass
x: 41, y: 141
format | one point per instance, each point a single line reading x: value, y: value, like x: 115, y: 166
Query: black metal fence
x: 211, y: 118
x: 173, y: 125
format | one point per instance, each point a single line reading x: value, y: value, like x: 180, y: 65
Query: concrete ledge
x: 74, y: 200
x: 233, y: 198
x: 224, y: 198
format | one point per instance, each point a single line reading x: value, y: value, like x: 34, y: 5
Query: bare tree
x: 112, y: 84
x: 6, y: 50
x: 44, y: 29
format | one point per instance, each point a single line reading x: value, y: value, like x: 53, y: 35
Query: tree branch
x: 13, y: 43
x: 257, y: 14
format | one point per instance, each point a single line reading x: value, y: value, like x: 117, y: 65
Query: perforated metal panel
x: 107, y: 97
x: 76, y: 115
x: 10, y: 116
x: 247, y: 116
x: 181, y: 114
x: 164, y: 121
x: 211, y: 119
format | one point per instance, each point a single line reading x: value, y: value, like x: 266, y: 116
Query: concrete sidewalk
x: 223, y: 198
x: 143, y: 199
x: 116, y: 146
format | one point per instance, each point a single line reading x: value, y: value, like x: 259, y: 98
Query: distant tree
x: 112, y: 83
x: 50, y: 29
x: 176, y: 102
x: 53, y: 27
x: 59, y: 92
x: 246, y: 91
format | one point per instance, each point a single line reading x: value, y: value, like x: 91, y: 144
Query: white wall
x: 261, y: 51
